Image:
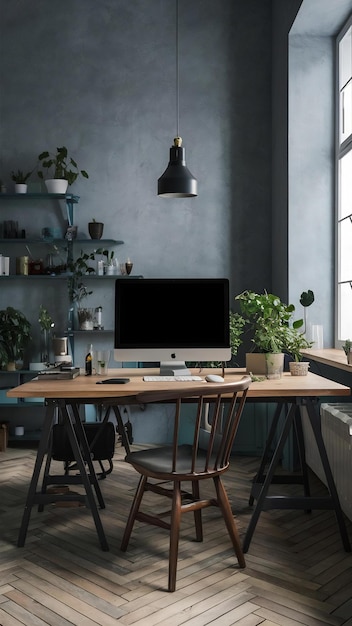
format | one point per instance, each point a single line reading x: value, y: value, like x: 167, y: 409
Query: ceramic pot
x: 95, y: 230
x: 21, y: 188
x: 299, y: 368
x: 56, y: 185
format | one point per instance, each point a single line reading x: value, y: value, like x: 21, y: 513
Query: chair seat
x: 159, y: 460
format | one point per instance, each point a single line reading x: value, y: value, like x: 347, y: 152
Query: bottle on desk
x: 89, y: 360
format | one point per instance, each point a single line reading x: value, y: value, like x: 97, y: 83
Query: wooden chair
x: 207, y: 457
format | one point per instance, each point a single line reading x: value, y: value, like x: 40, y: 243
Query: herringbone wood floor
x: 297, y: 571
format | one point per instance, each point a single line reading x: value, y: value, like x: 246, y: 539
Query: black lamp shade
x: 177, y: 181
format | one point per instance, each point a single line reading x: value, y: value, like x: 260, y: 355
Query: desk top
x: 85, y: 387
x: 329, y: 356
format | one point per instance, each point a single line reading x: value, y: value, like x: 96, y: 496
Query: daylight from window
x: 344, y: 184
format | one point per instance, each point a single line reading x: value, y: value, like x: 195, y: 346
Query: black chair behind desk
x: 101, y: 441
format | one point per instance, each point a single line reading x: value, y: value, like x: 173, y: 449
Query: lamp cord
x: 177, y: 76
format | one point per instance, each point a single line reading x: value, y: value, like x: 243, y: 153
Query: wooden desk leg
x: 314, y: 419
x: 31, y: 496
x: 268, y: 478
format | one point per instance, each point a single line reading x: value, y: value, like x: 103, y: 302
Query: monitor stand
x: 174, y: 368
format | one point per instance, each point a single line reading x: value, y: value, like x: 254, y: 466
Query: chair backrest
x: 224, y: 402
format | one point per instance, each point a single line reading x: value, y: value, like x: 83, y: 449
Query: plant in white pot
x: 267, y: 319
x: 296, y: 341
x: 78, y: 291
x: 20, y: 180
x: 61, y: 170
x: 14, y: 337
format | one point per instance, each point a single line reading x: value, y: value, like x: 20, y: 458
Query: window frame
x: 341, y: 149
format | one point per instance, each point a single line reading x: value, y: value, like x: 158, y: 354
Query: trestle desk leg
x: 31, y: 495
x: 86, y: 480
x: 268, y: 478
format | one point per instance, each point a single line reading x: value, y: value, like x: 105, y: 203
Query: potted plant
x: 46, y: 325
x: 63, y: 168
x: 20, y: 180
x: 296, y: 341
x: 78, y: 290
x: 14, y: 337
x: 347, y: 348
x: 267, y: 318
x: 95, y: 229
x: 306, y: 299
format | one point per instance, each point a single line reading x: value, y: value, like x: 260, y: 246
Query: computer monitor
x: 172, y: 320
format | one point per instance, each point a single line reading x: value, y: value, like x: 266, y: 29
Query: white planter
x: 21, y: 188
x: 299, y: 368
x: 56, y: 185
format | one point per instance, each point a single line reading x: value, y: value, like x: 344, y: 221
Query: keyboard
x: 171, y: 379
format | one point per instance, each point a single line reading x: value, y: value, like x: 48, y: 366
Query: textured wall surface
x: 99, y: 77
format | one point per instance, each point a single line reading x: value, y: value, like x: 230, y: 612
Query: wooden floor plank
x: 297, y: 572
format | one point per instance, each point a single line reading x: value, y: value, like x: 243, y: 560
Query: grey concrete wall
x: 99, y: 77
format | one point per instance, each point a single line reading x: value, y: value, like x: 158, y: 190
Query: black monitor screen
x: 158, y: 319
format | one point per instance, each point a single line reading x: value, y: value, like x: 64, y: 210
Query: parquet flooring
x: 297, y: 571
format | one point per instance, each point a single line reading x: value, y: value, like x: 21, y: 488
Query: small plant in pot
x: 347, y: 348
x: 296, y: 341
x: 78, y: 291
x: 95, y: 229
x: 14, y: 337
x: 267, y: 319
x: 62, y: 168
x: 20, y: 180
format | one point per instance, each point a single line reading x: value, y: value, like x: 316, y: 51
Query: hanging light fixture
x: 177, y: 181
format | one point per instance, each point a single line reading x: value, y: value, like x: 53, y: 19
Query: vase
x: 274, y: 365
x: 86, y: 318
x: 45, y: 344
x: 95, y: 230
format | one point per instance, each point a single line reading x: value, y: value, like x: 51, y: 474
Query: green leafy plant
x: 19, y: 177
x: 80, y: 268
x: 306, y: 299
x: 296, y: 341
x: 14, y: 335
x: 347, y: 347
x: 268, y: 319
x: 61, y: 165
x: 45, y: 320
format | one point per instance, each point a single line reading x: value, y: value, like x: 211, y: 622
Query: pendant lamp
x: 177, y: 181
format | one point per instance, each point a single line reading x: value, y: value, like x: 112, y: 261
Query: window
x: 344, y: 182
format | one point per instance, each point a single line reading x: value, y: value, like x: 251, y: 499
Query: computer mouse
x: 213, y: 378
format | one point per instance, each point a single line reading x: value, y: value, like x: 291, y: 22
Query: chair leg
x: 224, y: 505
x: 197, y: 514
x: 174, y: 534
x: 133, y: 513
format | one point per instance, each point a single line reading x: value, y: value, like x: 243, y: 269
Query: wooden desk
x: 328, y: 356
x: 289, y: 391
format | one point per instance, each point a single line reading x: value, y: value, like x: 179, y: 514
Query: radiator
x: 336, y: 428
